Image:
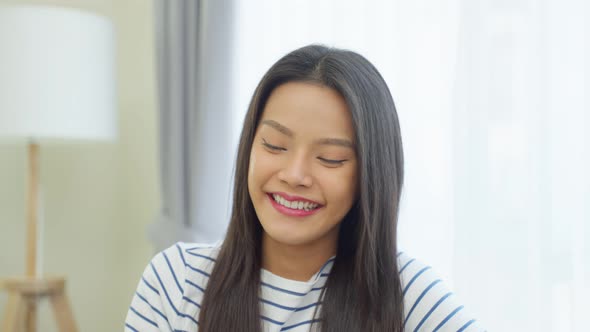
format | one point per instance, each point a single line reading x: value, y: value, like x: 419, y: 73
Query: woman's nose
x: 296, y: 172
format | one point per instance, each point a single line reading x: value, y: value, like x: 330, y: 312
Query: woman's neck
x: 295, y: 262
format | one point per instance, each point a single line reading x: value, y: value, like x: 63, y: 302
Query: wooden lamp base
x: 24, y: 295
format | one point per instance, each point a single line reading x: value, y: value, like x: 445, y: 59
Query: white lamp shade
x: 57, y: 74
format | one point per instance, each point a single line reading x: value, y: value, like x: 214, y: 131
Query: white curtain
x: 492, y: 102
x: 194, y: 47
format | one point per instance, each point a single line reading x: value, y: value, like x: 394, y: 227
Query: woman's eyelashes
x: 329, y: 162
x: 271, y: 147
x: 332, y: 162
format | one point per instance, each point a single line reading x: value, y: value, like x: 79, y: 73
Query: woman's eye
x: 332, y: 162
x: 272, y: 147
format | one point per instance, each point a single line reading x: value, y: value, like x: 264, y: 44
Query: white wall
x: 99, y: 197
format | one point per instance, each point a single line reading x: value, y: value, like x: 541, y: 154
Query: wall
x: 99, y: 197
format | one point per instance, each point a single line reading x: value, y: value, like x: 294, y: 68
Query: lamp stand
x: 25, y: 292
x: 32, y: 205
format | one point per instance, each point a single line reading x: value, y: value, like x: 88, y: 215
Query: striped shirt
x: 171, y: 289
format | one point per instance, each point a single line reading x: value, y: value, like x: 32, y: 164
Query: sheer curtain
x: 194, y: 46
x: 520, y: 163
x: 492, y: 101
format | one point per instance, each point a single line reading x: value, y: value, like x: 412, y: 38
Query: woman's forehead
x: 297, y: 108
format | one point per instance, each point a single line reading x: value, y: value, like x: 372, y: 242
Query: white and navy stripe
x: 170, y: 293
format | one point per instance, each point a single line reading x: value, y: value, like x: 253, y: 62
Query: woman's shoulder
x: 428, y: 303
x: 191, y: 256
x: 182, y: 262
x: 201, y: 250
x: 170, y: 290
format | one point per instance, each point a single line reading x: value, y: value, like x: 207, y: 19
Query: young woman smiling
x: 311, y: 244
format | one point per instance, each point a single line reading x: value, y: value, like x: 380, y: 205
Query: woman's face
x: 302, y: 176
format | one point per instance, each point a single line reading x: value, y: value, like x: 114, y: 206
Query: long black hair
x: 363, y: 290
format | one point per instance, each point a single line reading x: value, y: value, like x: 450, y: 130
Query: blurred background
x: 492, y: 99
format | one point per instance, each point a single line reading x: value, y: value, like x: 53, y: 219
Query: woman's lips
x: 292, y: 212
x: 293, y: 198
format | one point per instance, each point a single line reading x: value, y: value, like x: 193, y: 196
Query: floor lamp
x: 56, y: 84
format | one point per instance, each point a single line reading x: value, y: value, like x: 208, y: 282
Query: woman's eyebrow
x: 278, y: 127
x: 335, y: 141
x: 322, y: 141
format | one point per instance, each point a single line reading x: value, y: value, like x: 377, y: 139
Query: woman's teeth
x: 297, y: 205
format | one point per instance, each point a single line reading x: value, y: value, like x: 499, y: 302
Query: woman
x: 311, y: 244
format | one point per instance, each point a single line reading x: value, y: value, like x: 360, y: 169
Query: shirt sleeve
x: 428, y: 303
x: 154, y: 307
